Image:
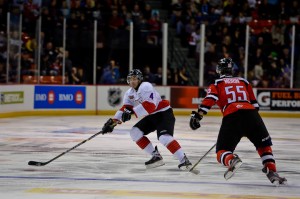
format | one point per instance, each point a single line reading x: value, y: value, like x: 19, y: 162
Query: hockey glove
x: 109, y: 126
x: 195, y: 120
x: 126, y: 116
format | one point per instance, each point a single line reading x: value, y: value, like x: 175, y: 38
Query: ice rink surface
x: 112, y: 166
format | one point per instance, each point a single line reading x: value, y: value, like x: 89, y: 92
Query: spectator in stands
x: 224, y: 21
x: 75, y: 78
x: 158, y: 76
x: 228, y: 18
x: 285, y: 73
x: 154, y: 29
x: 50, y: 51
x: 258, y: 70
x: 177, y: 20
x: 276, y: 47
x: 147, y: 12
x: 252, y: 79
x: 277, y: 33
x: 143, y: 27
x: 183, y: 77
x: 26, y: 63
x: 260, y: 48
x: 110, y: 74
x: 124, y: 12
x: 107, y: 76
x: 127, y: 21
x: 274, y: 72
x: 286, y: 55
x: 172, y: 77
x: 56, y: 67
x: 68, y: 65
x: 45, y: 65
x: 210, y: 54
x: 194, y: 40
x: 136, y: 12
x: 115, y: 69
x: 266, y: 35
x: 82, y: 75
x: 148, y: 75
x: 116, y: 22
x: 189, y: 29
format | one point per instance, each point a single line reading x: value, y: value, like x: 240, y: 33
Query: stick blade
x: 34, y: 163
x: 195, y: 171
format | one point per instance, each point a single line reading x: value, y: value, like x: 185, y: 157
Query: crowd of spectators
x: 113, y: 19
x: 269, y: 48
x: 270, y: 43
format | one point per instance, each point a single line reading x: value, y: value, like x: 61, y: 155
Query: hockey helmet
x: 135, y: 72
x: 225, y: 66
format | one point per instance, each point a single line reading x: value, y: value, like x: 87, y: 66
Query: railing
x: 177, y: 59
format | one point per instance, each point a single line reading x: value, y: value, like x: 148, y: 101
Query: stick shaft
x: 203, y: 157
x: 63, y: 153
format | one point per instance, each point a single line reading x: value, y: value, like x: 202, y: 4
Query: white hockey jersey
x: 146, y: 100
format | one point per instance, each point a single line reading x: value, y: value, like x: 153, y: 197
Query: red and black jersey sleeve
x: 210, y: 99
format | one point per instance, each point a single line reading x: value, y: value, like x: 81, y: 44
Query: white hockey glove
x: 195, y: 120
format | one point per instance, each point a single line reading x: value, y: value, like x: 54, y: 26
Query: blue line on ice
x: 135, y: 180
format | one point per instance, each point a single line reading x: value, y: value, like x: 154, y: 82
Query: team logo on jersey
x: 114, y: 96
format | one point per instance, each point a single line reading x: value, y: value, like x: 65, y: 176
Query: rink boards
x: 33, y: 100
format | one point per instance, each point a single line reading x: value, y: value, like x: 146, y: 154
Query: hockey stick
x: 196, y: 171
x: 34, y: 163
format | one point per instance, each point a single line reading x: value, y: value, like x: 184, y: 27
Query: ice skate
x: 155, y: 161
x: 274, y: 177
x: 235, y: 164
x: 186, y: 164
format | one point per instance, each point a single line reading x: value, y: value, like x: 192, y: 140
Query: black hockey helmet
x: 135, y: 72
x: 225, y: 66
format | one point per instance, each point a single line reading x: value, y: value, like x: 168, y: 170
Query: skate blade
x: 228, y: 174
x: 185, y: 168
x: 278, y: 184
x: 156, y: 164
x: 188, y: 168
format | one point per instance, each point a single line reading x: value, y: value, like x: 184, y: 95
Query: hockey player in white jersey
x: 143, y: 101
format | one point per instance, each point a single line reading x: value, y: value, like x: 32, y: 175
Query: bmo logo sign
x: 78, y: 98
x: 59, y: 97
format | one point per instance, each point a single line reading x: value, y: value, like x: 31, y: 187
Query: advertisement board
x: 12, y: 97
x: 188, y: 97
x: 59, y: 97
x: 288, y: 100
x: 25, y: 100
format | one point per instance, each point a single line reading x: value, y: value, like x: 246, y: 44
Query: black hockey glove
x: 195, y: 120
x: 109, y: 126
x: 126, y: 116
